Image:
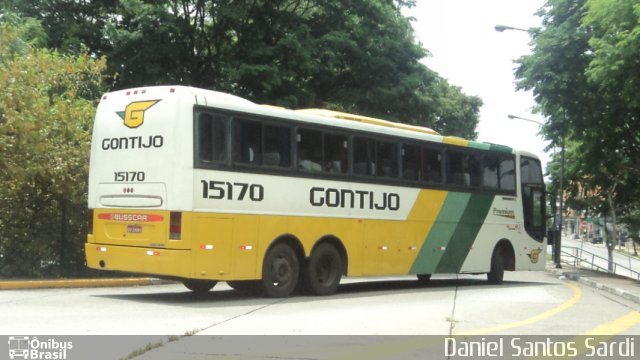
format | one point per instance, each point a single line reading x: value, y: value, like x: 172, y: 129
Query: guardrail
x: 580, y: 256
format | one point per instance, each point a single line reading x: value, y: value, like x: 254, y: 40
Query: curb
x: 77, y: 283
x: 596, y: 284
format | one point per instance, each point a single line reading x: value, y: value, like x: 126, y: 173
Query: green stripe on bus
x: 443, y: 229
x: 456, y: 228
x: 501, y: 148
x: 479, y: 145
x: 465, y: 234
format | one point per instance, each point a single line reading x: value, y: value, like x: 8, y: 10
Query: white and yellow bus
x: 203, y: 186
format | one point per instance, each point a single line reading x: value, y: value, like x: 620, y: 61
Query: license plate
x: 134, y: 229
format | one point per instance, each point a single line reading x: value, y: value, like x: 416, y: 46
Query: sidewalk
x: 76, y: 283
x: 618, y: 285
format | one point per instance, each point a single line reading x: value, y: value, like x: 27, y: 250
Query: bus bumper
x: 153, y: 261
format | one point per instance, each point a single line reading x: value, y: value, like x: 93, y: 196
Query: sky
x: 467, y: 51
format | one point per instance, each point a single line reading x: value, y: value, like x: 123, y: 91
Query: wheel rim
x: 281, y: 272
x: 325, y: 271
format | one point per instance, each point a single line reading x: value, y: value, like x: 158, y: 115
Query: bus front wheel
x: 280, y: 271
x: 496, y: 274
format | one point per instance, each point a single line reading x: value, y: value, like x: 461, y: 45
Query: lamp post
x: 557, y: 243
x: 501, y: 28
x: 525, y: 119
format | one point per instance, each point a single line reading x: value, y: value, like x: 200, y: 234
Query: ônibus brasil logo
x: 25, y: 347
x: 133, y: 114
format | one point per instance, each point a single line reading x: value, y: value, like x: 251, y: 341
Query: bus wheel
x: 280, y: 271
x: 324, y: 270
x: 424, y: 279
x: 200, y: 286
x: 496, y: 274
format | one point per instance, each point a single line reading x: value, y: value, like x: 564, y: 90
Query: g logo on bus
x: 133, y: 114
x: 534, y: 256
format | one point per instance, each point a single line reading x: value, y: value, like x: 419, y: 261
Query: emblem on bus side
x: 534, y: 256
x: 133, y: 114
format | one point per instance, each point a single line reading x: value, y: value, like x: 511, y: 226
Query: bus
x: 201, y: 186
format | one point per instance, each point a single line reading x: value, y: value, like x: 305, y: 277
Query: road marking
x: 591, y: 341
x: 577, y: 294
x: 616, y: 326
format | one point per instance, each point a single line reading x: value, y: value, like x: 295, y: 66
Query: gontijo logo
x: 133, y: 114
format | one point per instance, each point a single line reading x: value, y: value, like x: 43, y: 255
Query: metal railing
x: 579, y: 257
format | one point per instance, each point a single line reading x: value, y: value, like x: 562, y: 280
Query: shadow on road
x: 222, y: 296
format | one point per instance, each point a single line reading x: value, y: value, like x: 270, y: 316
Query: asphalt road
x: 528, y: 303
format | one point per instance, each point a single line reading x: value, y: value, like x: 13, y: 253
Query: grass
x: 155, y: 345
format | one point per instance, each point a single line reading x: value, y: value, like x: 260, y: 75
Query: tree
x: 357, y: 56
x: 46, y: 113
x: 578, y: 60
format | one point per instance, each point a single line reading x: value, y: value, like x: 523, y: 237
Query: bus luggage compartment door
x: 212, y: 239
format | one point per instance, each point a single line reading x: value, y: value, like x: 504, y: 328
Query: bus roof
x: 227, y: 101
x: 367, y: 120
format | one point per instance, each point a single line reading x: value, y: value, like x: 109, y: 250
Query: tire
x: 199, y: 286
x: 280, y: 271
x: 424, y: 279
x: 496, y: 275
x: 324, y: 270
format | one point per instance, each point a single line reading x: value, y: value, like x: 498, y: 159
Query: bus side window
x: 212, y: 138
x: 431, y: 166
x: 410, y: 162
x: 490, y: 167
x: 507, y: 174
x: 473, y: 166
x: 387, y: 159
x: 309, y: 150
x: 277, y: 146
x: 336, y: 154
x: 363, y: 156
x: 456, y: 174
x: 247, y: 135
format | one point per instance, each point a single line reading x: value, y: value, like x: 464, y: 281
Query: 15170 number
x: 232, y: 191
x: 128, y: 176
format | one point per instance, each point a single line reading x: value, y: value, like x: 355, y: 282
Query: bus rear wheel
x: 324, y: 270
x: 280, y: 271
x: 199, y: 286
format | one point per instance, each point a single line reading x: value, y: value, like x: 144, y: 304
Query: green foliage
x: 585, y: 77
x: 357, y: 56
x: 46, y: 113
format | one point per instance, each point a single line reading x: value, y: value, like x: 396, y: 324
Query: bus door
x: 533, y: 210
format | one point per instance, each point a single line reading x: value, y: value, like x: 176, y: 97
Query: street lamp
x: 525, y: 119
x: 557, y: 243
x: 501, y: 28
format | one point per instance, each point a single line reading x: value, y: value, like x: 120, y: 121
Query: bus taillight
x: 175, y: 226
x: 90, y: 222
